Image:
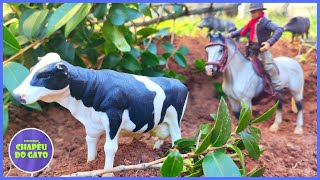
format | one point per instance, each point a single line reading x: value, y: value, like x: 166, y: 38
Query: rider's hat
x: 256, y: 6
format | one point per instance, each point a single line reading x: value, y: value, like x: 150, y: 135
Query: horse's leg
x: 298, y: 99
x: 278, y: 119
x: 235, y: 104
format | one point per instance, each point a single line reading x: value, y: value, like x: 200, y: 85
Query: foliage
x: 92, y: 35
x: 217, y: 151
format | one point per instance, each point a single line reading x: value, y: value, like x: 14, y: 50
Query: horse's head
x: 217, y: 54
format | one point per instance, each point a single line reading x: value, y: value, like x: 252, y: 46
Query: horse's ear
x: 221, y: 37
x: 210, y: 36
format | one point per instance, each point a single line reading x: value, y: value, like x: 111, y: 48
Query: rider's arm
x: 277, y: 32
x: 236, y: 33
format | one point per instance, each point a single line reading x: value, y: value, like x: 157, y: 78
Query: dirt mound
x: 287, y: 154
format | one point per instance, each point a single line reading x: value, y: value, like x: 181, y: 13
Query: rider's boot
x: 271, y: 70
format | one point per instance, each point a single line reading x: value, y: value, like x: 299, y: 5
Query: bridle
x: 222, y: 63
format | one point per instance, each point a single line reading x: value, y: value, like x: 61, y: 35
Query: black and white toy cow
x: 106, y: 100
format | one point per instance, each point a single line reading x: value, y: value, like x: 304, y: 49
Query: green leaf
x: 5, y: 118
x: 13, y: 75
x: 204, y: 129
x: 173, y: 165
x: 144, y: 8
x: 200, y: 64
x: 180, y: 60
x: 214, y: 116
x: 183, y: 144
x: 100, y: 10
x: 167, y: 46
x: 130, y: 63
x: 166, y: 55
x: 10, y: 43
x: 153, y: 48
x: 241, y: 158
x: 120, y: 14
x: 61, y: 16
x: 218, y: 164
x: 153, y: 72
x: 135, y: 52
x: 183, y: 50
x: 255, y: 133
x: 251, y: 145
x: 110, y: 61
x: 245, y: 117
x: 257, y: 172
x: 114, y: 34
x: 222, y: 127
x: 149, y: 59
x: 35, y: 106
x: 196, y: 174
x: 109, y: 47
x: 31, y: 21
x: 162, y: 61
x: 221, y: 131
x: 77, y: 18
x: 67, y: 51
x: 219, y: 91
x: 265, y: 116
x: 147, y: 31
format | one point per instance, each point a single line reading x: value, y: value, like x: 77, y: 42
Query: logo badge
x: 31, y: 150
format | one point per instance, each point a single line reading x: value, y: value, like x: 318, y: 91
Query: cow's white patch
x: 159, y: 98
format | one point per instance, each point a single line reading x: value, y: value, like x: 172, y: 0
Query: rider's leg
x: 270, y: 68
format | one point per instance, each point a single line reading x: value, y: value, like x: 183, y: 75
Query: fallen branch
x: 151, y: 165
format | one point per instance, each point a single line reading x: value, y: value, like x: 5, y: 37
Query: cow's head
x: 48, y: 79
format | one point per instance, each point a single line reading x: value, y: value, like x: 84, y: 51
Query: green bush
x: 216, y: 151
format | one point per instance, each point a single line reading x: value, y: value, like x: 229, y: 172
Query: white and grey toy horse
x: 240, y: 82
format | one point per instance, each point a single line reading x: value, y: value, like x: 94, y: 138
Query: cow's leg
x: 307, y: 34
x: 275, y: 126
x: 171, y: 118
x: 112, y: 127
x: 92, y: 139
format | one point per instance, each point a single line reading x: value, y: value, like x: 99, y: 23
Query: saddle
x: 258, y: 68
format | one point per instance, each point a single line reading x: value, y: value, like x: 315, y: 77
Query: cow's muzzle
x: 19, y: 98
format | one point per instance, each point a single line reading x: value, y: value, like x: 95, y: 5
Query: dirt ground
x: 287, y: 154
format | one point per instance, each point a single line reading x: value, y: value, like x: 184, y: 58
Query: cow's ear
x: 61, y: 70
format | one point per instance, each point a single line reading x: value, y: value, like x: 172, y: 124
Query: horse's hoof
x: 274, y: 128
x: 108, y: 175
x: 298, y: 130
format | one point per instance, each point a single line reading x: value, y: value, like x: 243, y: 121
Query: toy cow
x: 106, y: 100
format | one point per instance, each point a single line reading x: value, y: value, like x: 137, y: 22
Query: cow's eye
x: 220, y: 51
x: 44, y: 75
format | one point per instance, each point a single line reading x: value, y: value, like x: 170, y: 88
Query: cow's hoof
x: 108, y: 175
x: 274, y: 128
x: 298, y: 130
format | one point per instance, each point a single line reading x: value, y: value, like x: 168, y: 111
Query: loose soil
x: 287, y: 154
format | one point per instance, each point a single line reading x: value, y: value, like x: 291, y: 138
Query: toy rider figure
x: 260, y: 40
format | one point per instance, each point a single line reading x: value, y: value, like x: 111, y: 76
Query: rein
x: 222, y: 63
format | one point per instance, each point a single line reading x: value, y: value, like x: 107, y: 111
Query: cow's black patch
x: 175, y: 92
x: 113, y: 92
x: 53, y: 77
